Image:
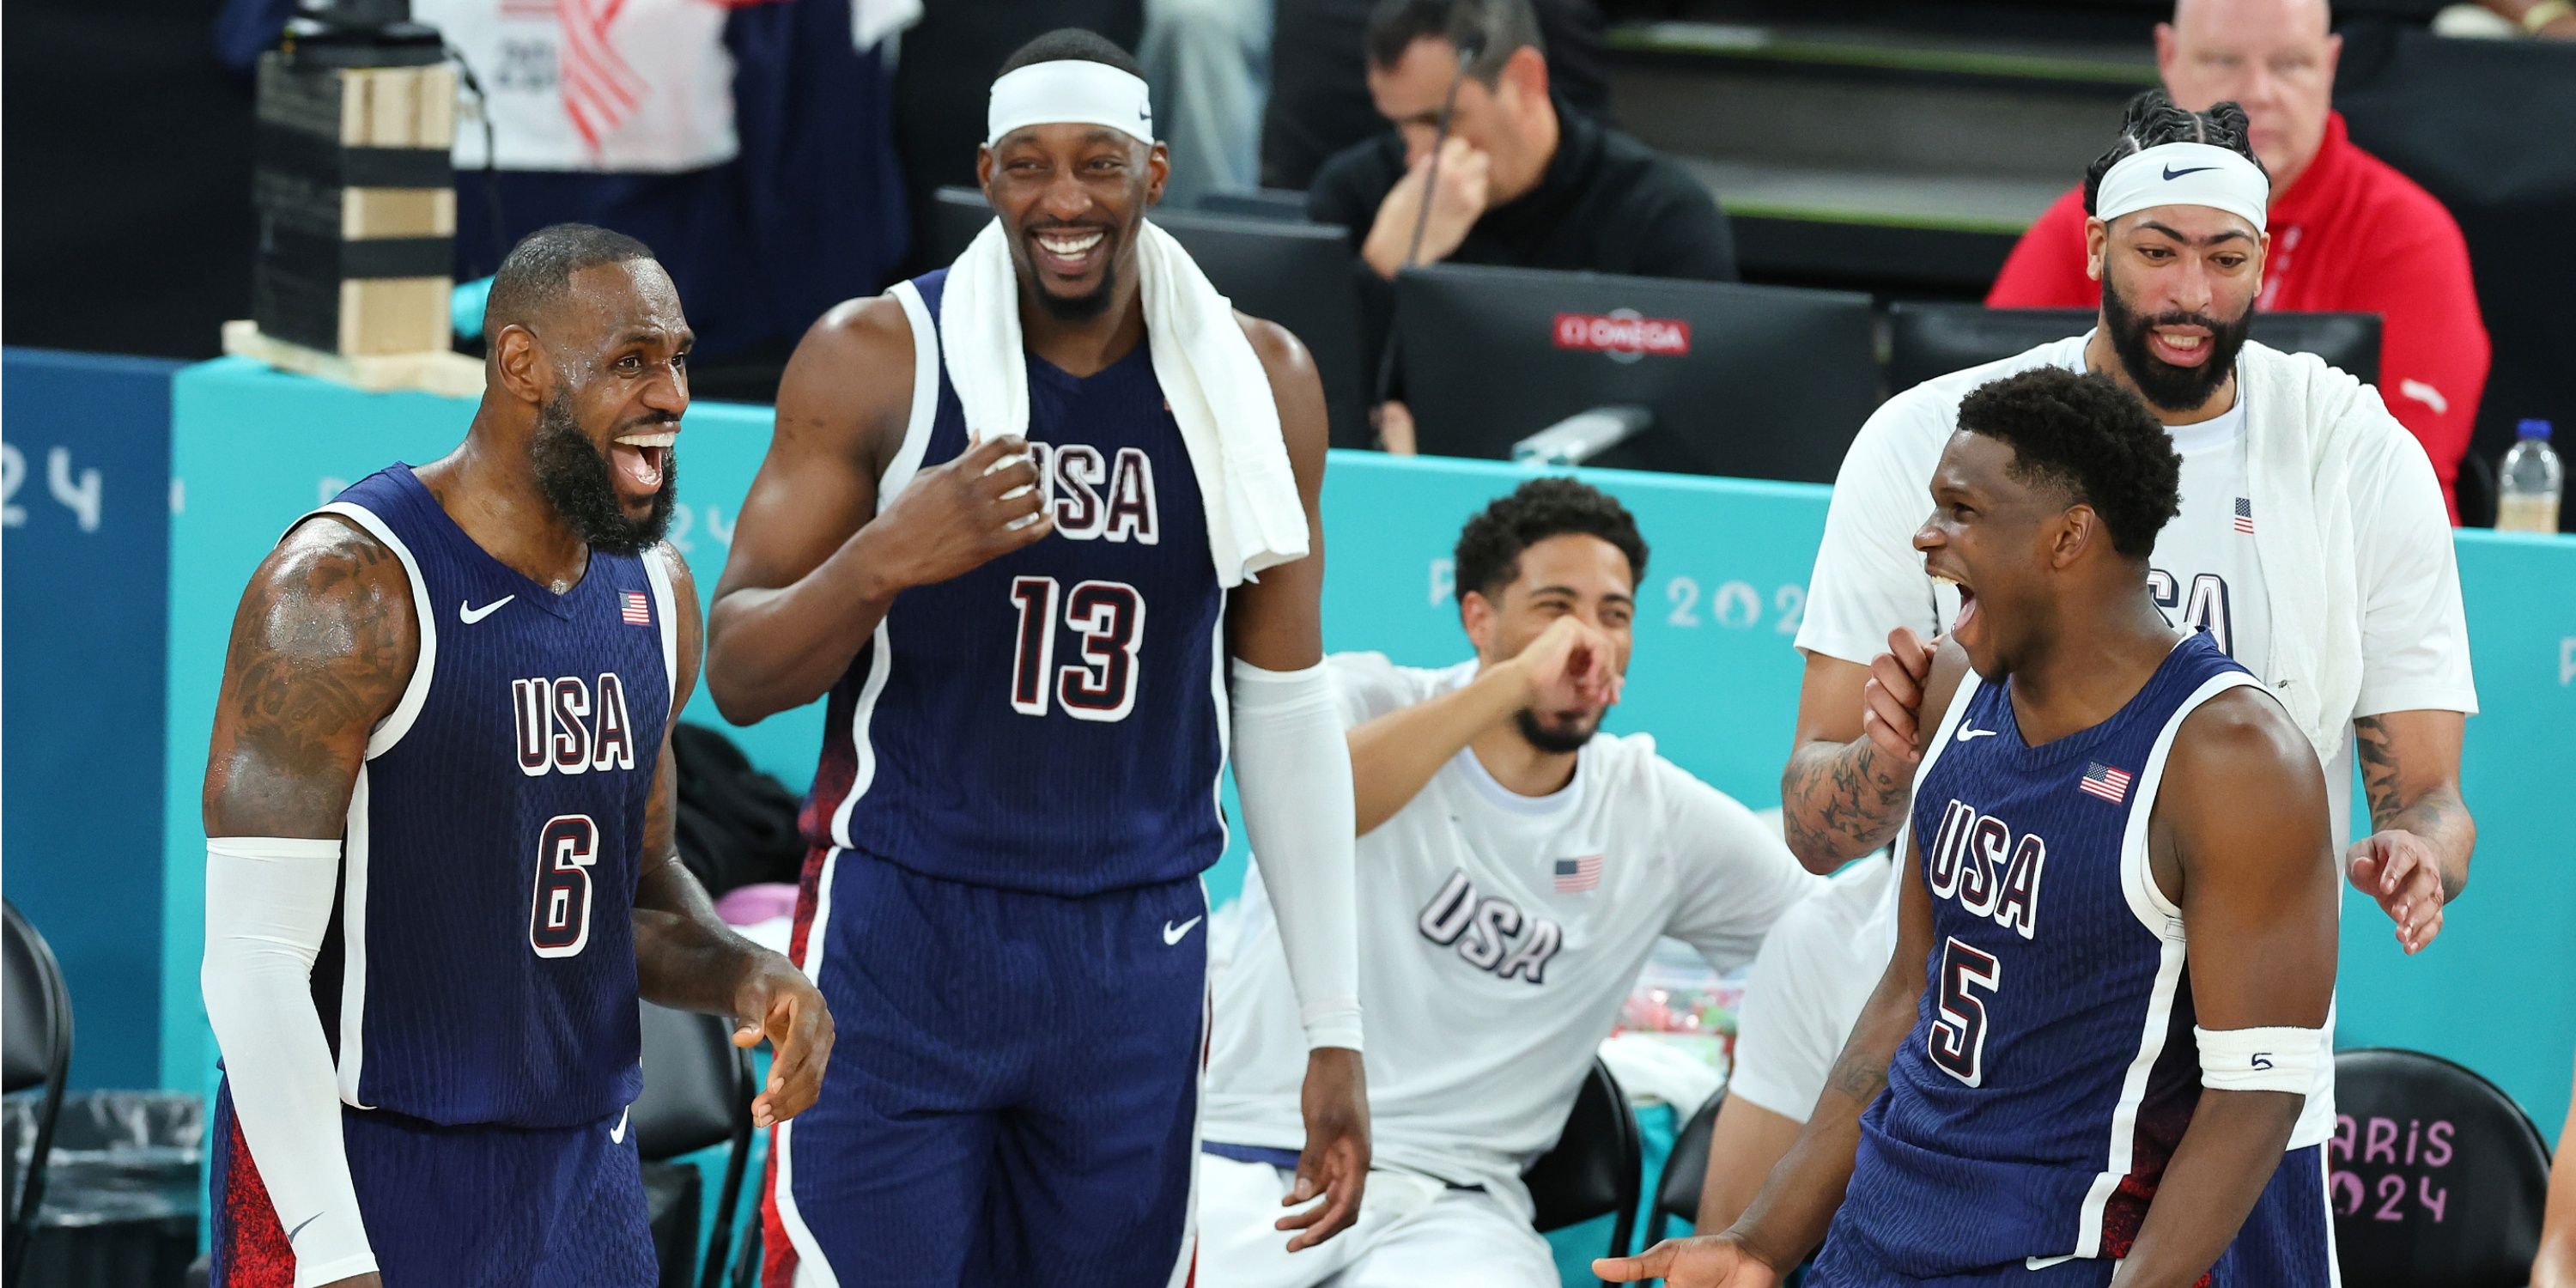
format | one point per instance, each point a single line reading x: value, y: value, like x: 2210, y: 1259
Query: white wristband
x: 2267, y: 1059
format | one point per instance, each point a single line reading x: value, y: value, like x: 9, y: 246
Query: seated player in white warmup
x: 2084, y: 1061
x: 1515, y: 870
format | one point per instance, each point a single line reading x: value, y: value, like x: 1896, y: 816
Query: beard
x: 1554, y: 740
x: 2165, y: 386
x: 573, y: 473
x: 1086, y: 306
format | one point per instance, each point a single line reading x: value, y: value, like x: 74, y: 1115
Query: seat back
x: 694, y: 1088
x: 1593, y: 1168
x: 1925, y: 341
x: 1686, y: 1168
x: 37, y: 1014
x: 2438, y: 1178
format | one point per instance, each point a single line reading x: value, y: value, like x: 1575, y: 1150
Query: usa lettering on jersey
x: 1095, y: 498
x: 1975, y: 860
x: 1484, y: 928
x: 568, y: 725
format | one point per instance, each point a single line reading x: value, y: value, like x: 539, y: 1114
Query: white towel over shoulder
x: 1218, y: 391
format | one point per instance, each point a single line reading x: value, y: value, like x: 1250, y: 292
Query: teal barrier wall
x: 84, y: 496
x: 1714, y: 677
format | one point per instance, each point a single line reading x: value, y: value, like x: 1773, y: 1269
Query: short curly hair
x: 2086, y: 434
x: 2152, y: 119
x: 1489, y: 549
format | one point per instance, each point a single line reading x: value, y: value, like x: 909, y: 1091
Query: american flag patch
x: 635, y: 608
x: 1574, y: 876
x: 2101, y: 780
x: 2245, y: 516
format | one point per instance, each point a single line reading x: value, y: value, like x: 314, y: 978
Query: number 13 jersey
x: 2051, y: 1070
x: 1053, y: 720
x: 481, y: 966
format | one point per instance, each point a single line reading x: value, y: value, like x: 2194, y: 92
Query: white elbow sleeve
x: 268, y: 905
x: 1292, y: 771
x: 2267, y: 1059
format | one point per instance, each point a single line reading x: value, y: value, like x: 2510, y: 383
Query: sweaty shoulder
x: 329, y: 616
x: 851, y: 376
x: 2238, y: 751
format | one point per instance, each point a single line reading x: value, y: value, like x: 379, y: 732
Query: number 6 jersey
x: 1052, y: 721
x: 2051, y: 1069
x: 481, y: 966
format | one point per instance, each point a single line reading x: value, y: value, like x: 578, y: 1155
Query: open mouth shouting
x: 640, y: 460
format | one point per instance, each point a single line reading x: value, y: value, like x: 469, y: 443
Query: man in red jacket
x: 2349, y: 233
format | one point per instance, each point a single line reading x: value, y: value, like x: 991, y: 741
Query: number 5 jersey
x: 2051, y: 1070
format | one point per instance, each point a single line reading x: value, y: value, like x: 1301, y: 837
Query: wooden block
x: 437, y: 122
x: 393, y: 107
x: 354, y: 104
x: 397, y: 212
x: 442, y: 372
x: 394, y: 314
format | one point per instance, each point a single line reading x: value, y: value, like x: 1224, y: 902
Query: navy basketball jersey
x: 1052, y: 721
x: 2051, y: 1069
x: 487, y: 963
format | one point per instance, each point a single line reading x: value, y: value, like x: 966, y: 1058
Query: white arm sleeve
x: 1292, y: 771
x: 268, y: 903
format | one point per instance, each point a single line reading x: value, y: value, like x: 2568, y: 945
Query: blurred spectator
x: 1207, y: 67
x: 1319, y: 96
x: 2349, y: 233
x: 1521, y: 178
x: 2539, y: 19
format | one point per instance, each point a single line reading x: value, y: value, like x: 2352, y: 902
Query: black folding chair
x: 2442, y: 1181
x: 1685, y: 1172
x: 697, y: 1094
x: 39, y: 1049
x: 1595, y: 1168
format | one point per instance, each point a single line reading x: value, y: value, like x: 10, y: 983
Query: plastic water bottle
x: 2529, y: 485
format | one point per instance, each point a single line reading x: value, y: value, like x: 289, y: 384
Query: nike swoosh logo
x: 617, y: 1134
x: 1172, y: 934
x: 1967, y: 732
x: 2172, y: 174
x: 470, y: 614
x: 299, y: 1226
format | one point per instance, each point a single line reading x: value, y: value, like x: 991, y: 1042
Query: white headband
x: 2184, y: 174
x: 1070, y: 91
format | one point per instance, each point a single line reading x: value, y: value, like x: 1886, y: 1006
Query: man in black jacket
x: 1518, y: 179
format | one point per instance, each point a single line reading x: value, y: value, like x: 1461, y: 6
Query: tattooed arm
x: 322, y: 645
x: 685, y: 955
x: 322, y: 648
x: 2416, y: 859
x: 1861, y: 733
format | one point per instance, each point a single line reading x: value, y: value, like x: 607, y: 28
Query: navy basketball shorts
x: 1013, y: 1095
x: 2287, y: 1241
x: 461, y: 1207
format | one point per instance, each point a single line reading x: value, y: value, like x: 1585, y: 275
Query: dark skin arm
x: 1276, y: 624
x: 1851, y: 765
x: 815, y: 565
x: 322, y: 647
x: 2240, y: 843
x: 685, y: 956
x: 1789, y: 1217
x: 2416, y: 859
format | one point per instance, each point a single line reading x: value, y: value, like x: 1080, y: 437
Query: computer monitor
x: 1751, y: 381
x: 1298, y: 275
x: 1929, y: 340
